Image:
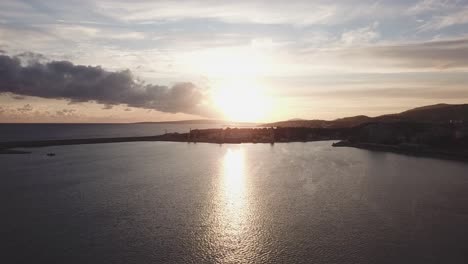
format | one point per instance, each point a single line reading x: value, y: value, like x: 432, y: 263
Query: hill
x: 439, y: 113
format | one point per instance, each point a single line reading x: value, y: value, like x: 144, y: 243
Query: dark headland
x: 439, y: 131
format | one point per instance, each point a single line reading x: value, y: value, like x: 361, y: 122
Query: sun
x: 241, y: 101
x: 234, y: 76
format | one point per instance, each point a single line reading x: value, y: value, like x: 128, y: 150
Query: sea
x: 30, y: 132
x: 168, y: 202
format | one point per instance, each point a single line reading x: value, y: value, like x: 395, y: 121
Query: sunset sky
x: 130, y: 61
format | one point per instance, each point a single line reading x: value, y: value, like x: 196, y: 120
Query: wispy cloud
x: 437, y: 93
x: 425, y: 55
x: 425, y: 6
x: 265, y: 12
x: 364, y: 35
x: 459, y: 17
x: 442, y: 55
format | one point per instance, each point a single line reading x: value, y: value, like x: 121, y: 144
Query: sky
x: 261, y: 61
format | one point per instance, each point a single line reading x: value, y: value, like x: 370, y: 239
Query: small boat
x: 50, y: 154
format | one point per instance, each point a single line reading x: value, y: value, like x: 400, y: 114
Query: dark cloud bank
x: 78, y: 83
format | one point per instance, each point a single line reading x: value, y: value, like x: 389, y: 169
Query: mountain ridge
x: 438, y: 113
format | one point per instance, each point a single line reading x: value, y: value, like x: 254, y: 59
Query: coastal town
x: 439, y: 131
x: 443, y: 140
x: 264, y: 135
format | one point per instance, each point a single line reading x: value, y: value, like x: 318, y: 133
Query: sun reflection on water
x: 233, y: 179
x: 232, y: 229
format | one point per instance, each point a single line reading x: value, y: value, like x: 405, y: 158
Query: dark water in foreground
x: 168, y: 202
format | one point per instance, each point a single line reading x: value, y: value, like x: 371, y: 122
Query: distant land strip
x: 403, y: 138
x: 217, y: 135
x: 4, y: 146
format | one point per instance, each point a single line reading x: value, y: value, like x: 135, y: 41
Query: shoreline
x: 411, y: 150
x: 416, y: 151
x: 13, y: 151
x: 9, y: 146
x: 216, y: 136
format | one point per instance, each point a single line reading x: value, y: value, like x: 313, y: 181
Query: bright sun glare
x: 237, y: 92
x: 241, y: 101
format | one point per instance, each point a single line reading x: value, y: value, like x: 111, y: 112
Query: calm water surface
x: 25, y: 132
x: 168, y: 202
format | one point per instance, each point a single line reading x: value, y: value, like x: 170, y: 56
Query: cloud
x: 430, y: 6
x: 427, y: 56
x: 77, y: 83
x: 263, y: 12
x: 66, y: 112
x: 107, y: 107
x: 434, y: 54
x: 24, y: 109
x: 29, y: 113
x: 458, y: 17
x: 362, y: 35
x: 435, y: 93
x: 298, y: 13
x: 31, y: 58
x: 17, y: 97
